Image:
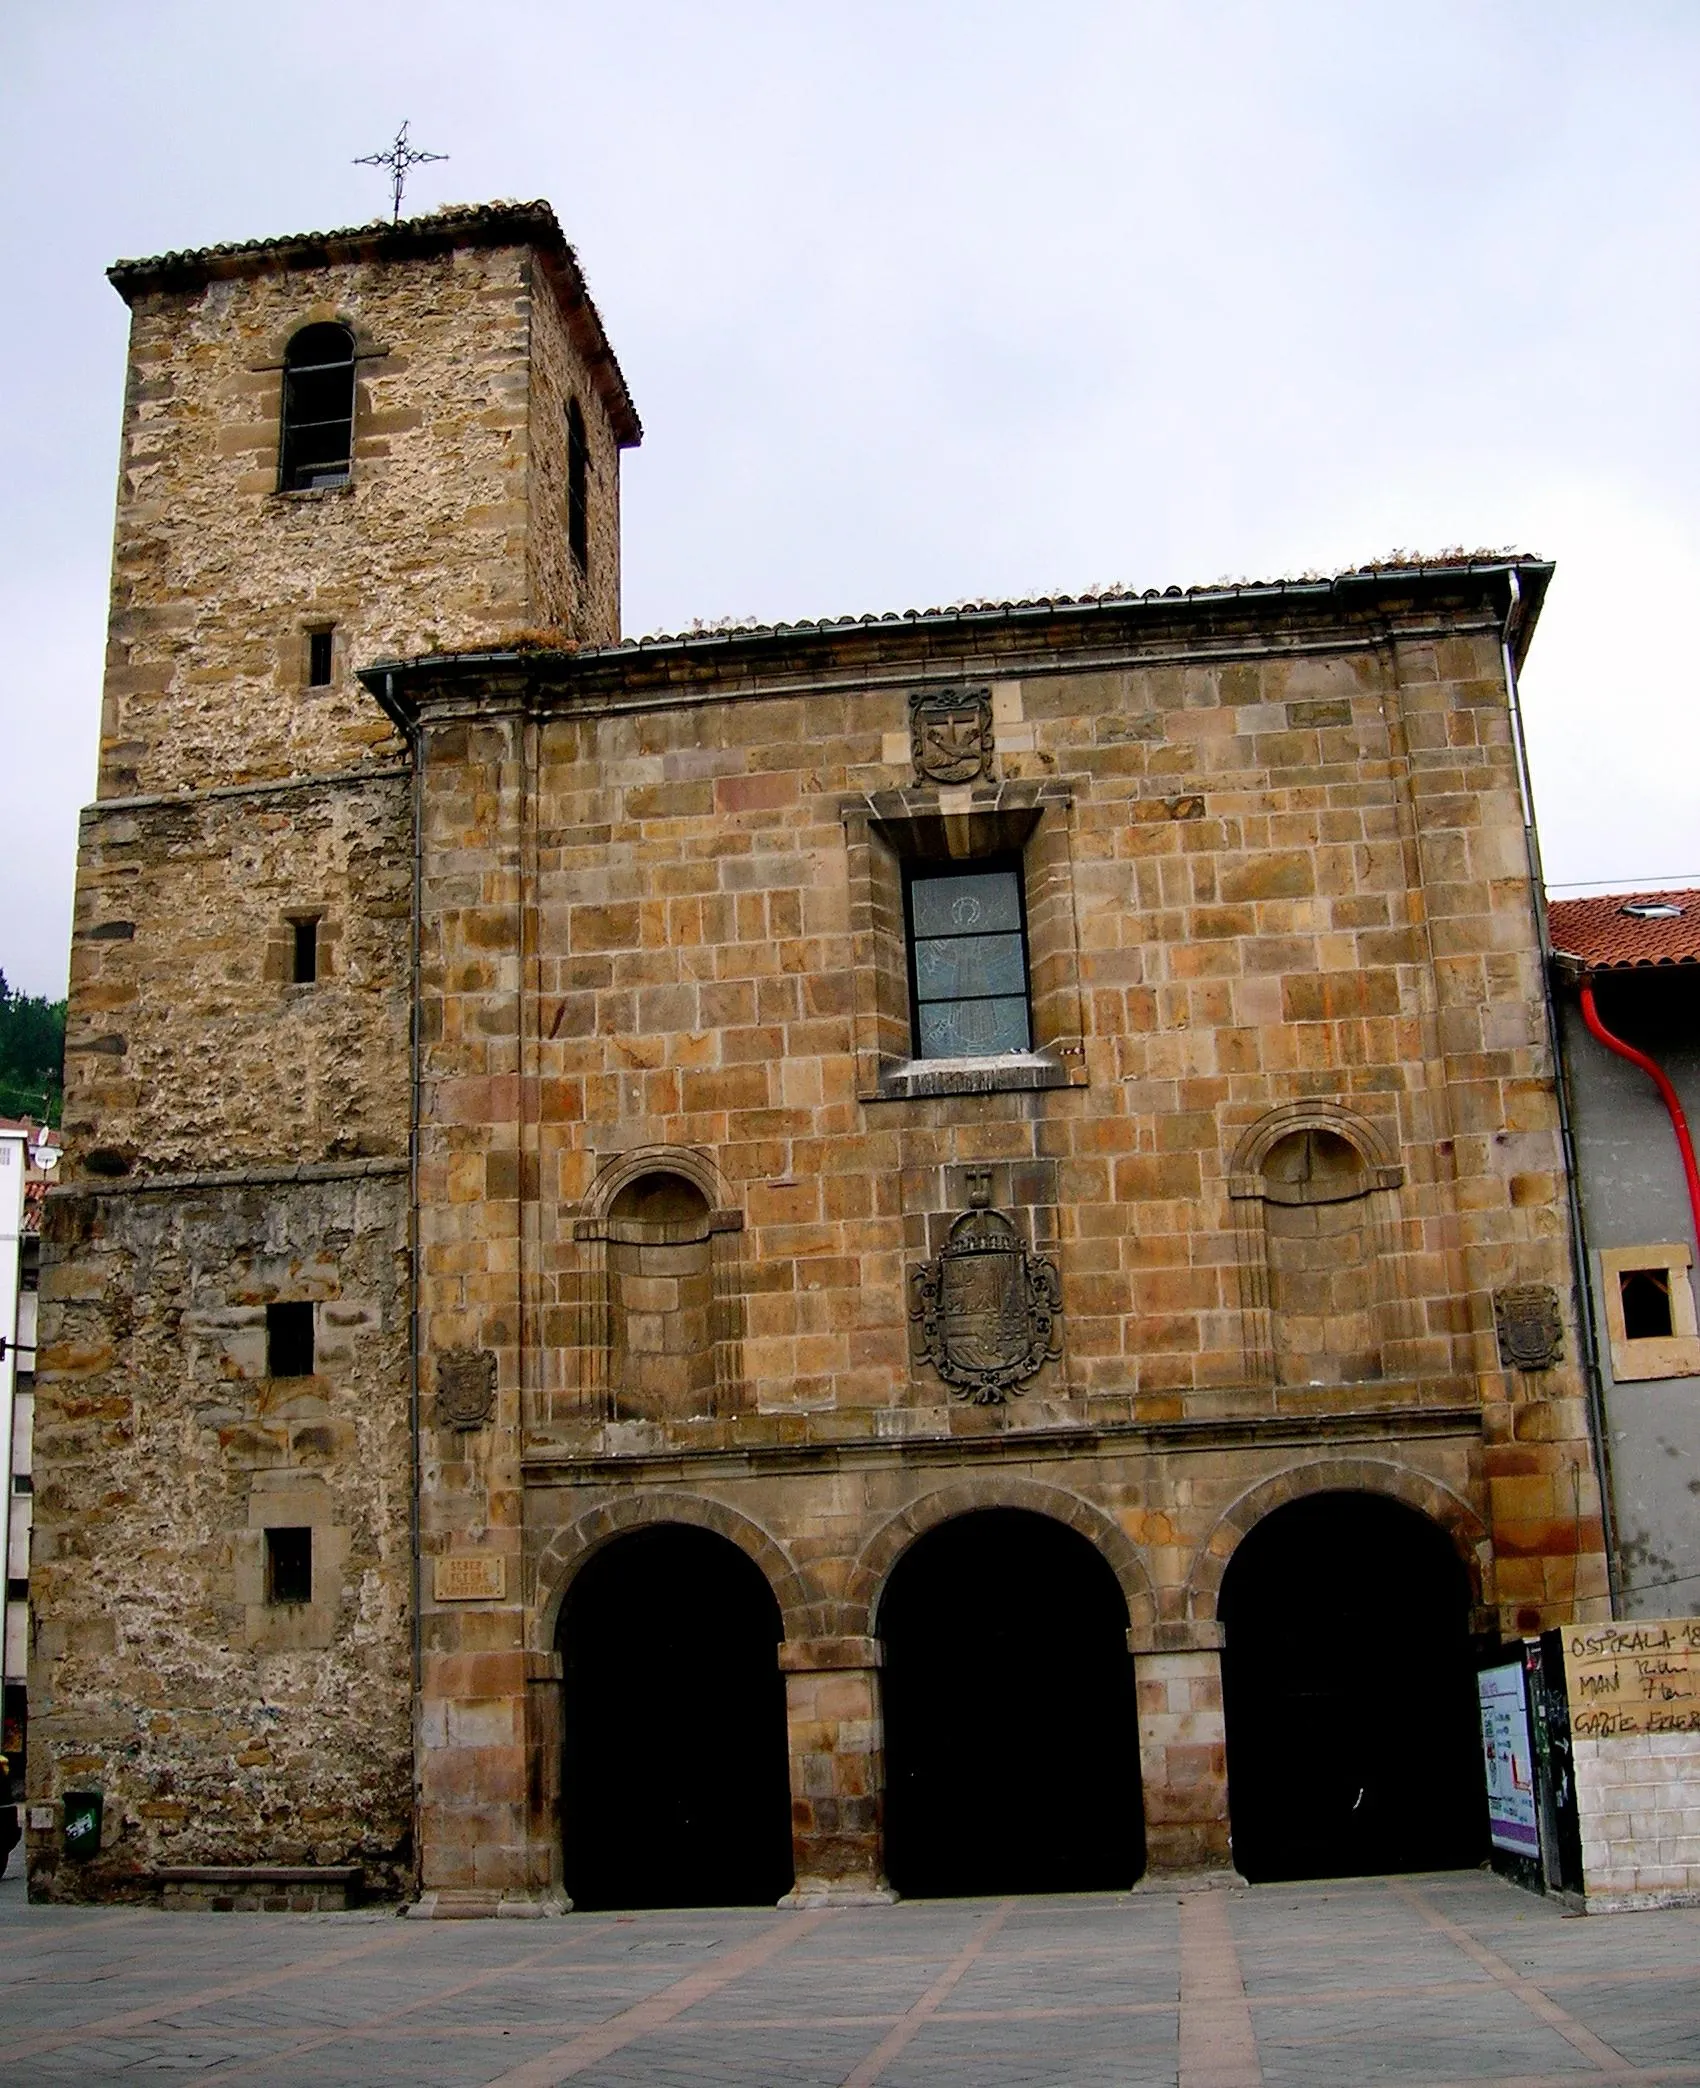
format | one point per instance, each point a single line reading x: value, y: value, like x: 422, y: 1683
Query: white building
x: 28, y: 1155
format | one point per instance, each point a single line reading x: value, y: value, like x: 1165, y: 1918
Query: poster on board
x: 1512, y: 1820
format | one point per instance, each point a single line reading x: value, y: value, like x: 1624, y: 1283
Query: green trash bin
x: 82, y: 1823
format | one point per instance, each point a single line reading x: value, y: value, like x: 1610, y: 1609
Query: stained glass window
x: 968, y: 963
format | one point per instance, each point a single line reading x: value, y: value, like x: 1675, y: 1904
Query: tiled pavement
x: 1454, y: 1978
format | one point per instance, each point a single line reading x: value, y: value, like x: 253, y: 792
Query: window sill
x: 342, y: 491
x: 1656, y: 1356
x: 1011, y: 1072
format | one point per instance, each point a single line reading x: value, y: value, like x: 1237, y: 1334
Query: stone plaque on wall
x: 950, y: 735
x: 986, y: 1310
x: 466, y: 1387
x: 470, y: 1577
x: 1531, y: 1333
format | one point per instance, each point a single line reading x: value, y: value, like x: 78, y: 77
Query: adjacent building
x: 1627, y: 976
x: 29, y: 1154
x: 920, y: 1252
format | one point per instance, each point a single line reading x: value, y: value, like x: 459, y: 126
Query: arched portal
x: 1349, y: 1690
x: 675, y: 1784
x: 1011, y: 1735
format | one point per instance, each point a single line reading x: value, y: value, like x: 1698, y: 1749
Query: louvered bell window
x: 318, y: 410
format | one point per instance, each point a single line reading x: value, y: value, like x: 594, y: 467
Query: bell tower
x: 404, y: 436
x: 337, y: 448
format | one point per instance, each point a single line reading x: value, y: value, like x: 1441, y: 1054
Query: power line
x: 1646, y: 884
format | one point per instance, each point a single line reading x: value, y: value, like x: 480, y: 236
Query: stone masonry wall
x: 223, y: 1729
x: 587, y: 603
x: 1284, y: 885
x: 218, y: 577
x: 188, y: 1045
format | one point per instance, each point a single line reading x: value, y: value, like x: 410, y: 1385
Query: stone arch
x: 566, y: 1552
x: 697, y: 1167
x: 1416, y: 1490
x: 1319, y: 1291
x: 367, y: 347
x: 596, y: 1229
x: 882, y: 1550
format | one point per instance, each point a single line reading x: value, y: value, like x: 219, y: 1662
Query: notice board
x: 1633, y: 1677
x: 1509, y: 1760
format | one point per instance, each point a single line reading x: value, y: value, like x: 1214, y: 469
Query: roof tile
x: 1607, y: 934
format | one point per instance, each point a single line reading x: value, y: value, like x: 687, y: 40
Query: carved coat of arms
x: 950, y: 734
x: 466, y: 1387
x: 1531, y: 1333
x: 986, y: 1309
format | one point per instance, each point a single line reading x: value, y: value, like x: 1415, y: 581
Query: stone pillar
x: 488, y: 1727
x: 837, y: 1736
x: 1183, y: 1757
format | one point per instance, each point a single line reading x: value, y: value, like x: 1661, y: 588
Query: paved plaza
x: 1450, y: 1978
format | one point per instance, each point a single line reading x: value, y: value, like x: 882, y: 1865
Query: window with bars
x: 967, y: 936
x: 317, y: 447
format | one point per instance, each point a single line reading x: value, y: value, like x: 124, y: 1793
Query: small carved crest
x: 950, y: 734
x: 1531, y: 1333
x: 987, y: 1310
x: 466, y: 1387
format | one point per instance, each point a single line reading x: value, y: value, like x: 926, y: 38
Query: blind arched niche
x: 1313, y: 1188
x: 660, y: 1292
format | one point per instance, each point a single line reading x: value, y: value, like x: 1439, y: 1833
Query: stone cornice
x: 559, y: 1467
x: 1202, y: 627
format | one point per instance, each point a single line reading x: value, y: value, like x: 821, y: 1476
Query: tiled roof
x: 724, y: 635
x: 461, y: 224
x: 1396, y: 566
x: 35, y: 1179
x: 1627, y: 931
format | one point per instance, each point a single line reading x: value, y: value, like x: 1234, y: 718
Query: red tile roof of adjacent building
x: 35, y: 1179
x: 1613, y: 933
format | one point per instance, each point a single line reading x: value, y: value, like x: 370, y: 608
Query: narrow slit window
x: 968, y: 962
x: 1646, y: 1304
x: 289, y: 1339
x: 578, y: 488
x: 289, y: 1565
x: 319, y: 658
x: 317, y: 449
x: 304, y: 966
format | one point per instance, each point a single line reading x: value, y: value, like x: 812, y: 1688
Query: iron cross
x: 398, y: 159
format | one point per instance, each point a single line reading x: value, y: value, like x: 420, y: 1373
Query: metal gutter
x: 1587, y: 1324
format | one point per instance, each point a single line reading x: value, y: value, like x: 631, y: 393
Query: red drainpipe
x: 1667, y: 1095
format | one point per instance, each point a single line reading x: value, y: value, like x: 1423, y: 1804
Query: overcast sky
x: 931, y: 300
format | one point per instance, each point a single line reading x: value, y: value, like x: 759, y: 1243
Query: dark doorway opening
x: 676, y: 1781
x: 1011, y: 1730
x: 1349, y: 1685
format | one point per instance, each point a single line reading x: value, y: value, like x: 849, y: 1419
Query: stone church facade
x: 808, y: 1086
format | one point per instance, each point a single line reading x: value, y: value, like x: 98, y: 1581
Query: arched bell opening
x: 1349, y: 1693
x: 675, y: 1776
x: 1011, y: 1730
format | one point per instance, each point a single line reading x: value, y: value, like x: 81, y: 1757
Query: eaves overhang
x: 1365, y: 605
